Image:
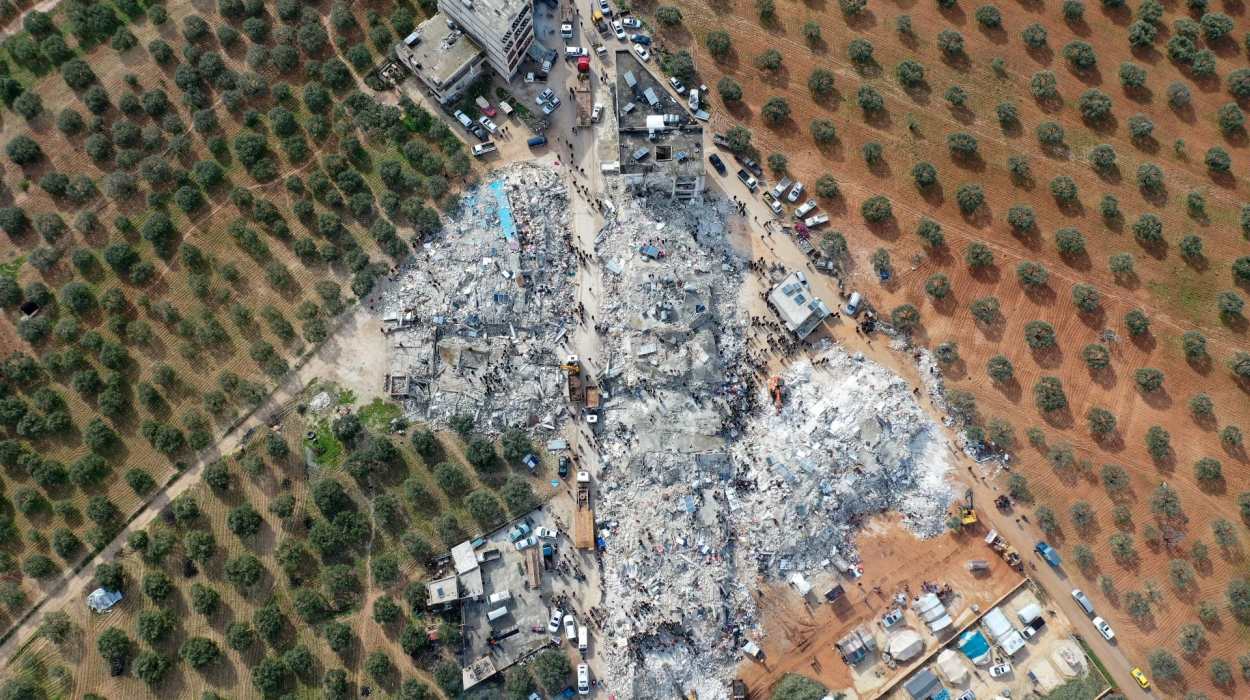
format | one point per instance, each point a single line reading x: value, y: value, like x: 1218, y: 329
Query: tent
x: 905, y: 645
x: 925, y: 686
x: 951, y: 668
x: 101, y: 600
x: 1029, y: 613
x: 975, y: 646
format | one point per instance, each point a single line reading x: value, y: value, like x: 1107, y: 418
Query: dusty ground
x: 800, y: 635
x: 1177, y: 296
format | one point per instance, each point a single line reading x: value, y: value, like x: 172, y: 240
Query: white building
x: 799, y: 309
x: 445, y: 59
x: 503, y: 28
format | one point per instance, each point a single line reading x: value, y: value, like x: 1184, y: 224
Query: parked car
x: 632, y: 23
x: 605, y: 7
x: 481, y: 149
x: 643, y: 54
x: 543, y: 96
x: 536, y: 141
x: 795, y: 192
x: 597, y: 113
x: 553, y: 625
x: 618, y: 30
x: 854, y: 304
x: 1104, y: 629
x: 546, y: 533
x: 640, y: 39
x: 1083, y: 601
x: 677, y: 85
x: 583, y: 679
x: 526, y: 543
x: 747, y: 179
x: 572, y: 52
x: 1140, y: 677
x: 570, y: 628
x: 519, y: 530
x: 563, y: 469
x: 1000, y: 670
x: 486, y: 122
x: 566, y: 31
x: 551, y: 106
x: 717, y: 163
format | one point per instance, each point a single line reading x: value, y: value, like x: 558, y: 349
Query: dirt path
x: 345, y: 358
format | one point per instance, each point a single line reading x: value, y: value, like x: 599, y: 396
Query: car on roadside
x: 748, y: 180
x: 553, y: 625
x: 546, y: 533
x: 632, y: 23
x: 618, y: 30
x: 570, y: 627
x: 795, y: 192
x: 640, y: 39
x: 1000, y: 670
x: 1104, y: 629
x: 543, y: 96
x: 679, y: 86
x: 583, y: 679
x: 643, y: 54
x: 717, y: 163
x: 563, y: 468
x: 605, y: 8
x: 566, y: 31
x: 551, y: 106
x: 486, y: 122
x: 519, y: 530
x: 1140, y: 677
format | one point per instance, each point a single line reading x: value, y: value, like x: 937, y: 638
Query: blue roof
x: 973, y: 644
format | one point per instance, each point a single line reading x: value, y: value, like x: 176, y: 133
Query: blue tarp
x: 974, y: 644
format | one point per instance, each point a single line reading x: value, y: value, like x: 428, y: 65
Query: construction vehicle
x: 1005, y: 550
x: 577, y: 389
x: 584, y: 518
x: 967, y: 516
x: 593, y: 404
x: 776, y: 387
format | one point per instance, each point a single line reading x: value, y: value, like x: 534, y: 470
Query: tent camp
x: 930, y: 609
x: 856, y: 645
x: 904, y: 645
x: 951, y: 668
x: 102, y: 601
x: 925, y: 686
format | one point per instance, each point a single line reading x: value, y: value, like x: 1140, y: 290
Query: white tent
x: 1029, y: 613
x: 905, y: 645
x: 800, y: 583
x: 101, y: 600
x: 951, y: 667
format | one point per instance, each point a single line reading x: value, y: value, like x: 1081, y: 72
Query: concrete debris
x: 474, y: 319
x: 320, y: 402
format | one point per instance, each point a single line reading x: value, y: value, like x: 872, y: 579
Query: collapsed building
x: 474, y: 318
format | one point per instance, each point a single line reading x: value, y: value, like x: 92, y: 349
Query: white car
x: 607, y: 9
x: 1000, y: 670
x: 551, y: 106
x: 526, y: 543
x: 618, y: 30
x: 546, y: 533
x: 583, y: 679
x: 643, y: 53
x: 632, y: 23
x: 566, y: 31
x: 544, y: 96
x: 795, y: 192
x: 597, y: 113
x: 486, y: 122
x: 679, y: 86
x: 1104, y: 629
x: 553, y: 625
x: 570, y: 627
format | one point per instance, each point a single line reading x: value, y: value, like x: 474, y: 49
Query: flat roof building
x: 442, y: 593
x: 503, y: 28
x: 660, y: 146
x: 798, y: 308
x: 445, y: 59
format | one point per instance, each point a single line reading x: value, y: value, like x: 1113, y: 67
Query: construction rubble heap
x: 474, y: 318
x: 704, y: 487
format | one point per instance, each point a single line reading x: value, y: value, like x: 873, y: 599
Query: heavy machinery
x: 967, y: 516
x: 777, y: 387
x: 584, y: 516
x: 1005, y: 550
x: 573, y: 368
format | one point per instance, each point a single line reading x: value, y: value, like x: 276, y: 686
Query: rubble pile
x: 850, y: 441
x: 474, y: 318
x: 673, y: 333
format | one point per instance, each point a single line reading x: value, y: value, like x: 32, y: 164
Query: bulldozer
x: 967, y: 516
x: 572, y: 365
x: 776, y: 387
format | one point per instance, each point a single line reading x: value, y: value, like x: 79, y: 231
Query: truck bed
x: 584, y: 520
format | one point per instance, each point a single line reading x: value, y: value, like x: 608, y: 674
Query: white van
x: 463, y: 118
x: 500, y: 597
x: 496, y: 613
x: 583, y: 640
x: 583, y: 679
x: 575, y: 52
x: 805, y: 209
x: 854, y: 304
x: 1083, y: 601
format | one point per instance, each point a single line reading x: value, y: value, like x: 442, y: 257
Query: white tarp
x: 1029, y: 613
x: 800, y: 584
x: 905, y: 645
x: 101, y: 600
x: 951, y: 668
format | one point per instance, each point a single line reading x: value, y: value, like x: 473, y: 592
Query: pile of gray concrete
x: 474, y: 319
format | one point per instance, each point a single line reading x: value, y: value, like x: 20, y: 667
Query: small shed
x: 102, y: 600
x: 1029, y: 613
x: 856, y: 645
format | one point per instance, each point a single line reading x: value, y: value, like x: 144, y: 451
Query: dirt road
x: 346, y: 358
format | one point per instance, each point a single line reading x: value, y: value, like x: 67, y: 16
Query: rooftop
x: 436, y: 51
x: 800, y: 310
x: 442, y: 591
x: 657, y: 134
x: 503, y: 9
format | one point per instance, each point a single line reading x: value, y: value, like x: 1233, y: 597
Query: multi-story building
x: 503, y: 28
x: 443, y: 58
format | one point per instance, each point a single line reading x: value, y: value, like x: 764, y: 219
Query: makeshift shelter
x: 975, y: 646
x: 925, y: 686
x: 999, y: 629
x: 951, y: 668
x: 930, y: 609
x: 905, y: 645
x: 800, y: 584
x: 856, y: 645
x: 102, y: 601
x: 1029, y: 613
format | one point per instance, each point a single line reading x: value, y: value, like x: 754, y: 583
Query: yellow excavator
x: 967, y: 516
x: 572, y: 365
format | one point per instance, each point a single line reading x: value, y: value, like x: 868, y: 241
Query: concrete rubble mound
x: 850, y: 442
x: 474, y: 319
